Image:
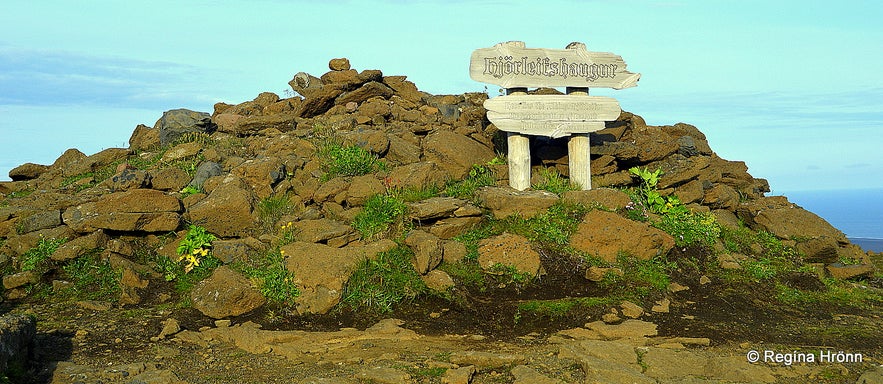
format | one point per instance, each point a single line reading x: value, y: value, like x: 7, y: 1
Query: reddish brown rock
x: 605, y: 197
x: 27, y: 171
x: 340, y: 64
x: 504, y: 201
x: 226, y: 293
x: 428, y: 250
x: 455, y: 153
x: 226, y: 211
x: 606, y: 235
x: 508, y: 250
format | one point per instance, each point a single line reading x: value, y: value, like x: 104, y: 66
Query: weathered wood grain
x: 553, y: 108
x: 512, y: 65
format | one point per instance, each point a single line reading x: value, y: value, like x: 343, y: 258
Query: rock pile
x: 220, y: 171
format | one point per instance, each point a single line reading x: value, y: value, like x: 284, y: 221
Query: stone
x: 509, y: 250
x: 437, y: 280
x: 843, y: 272
x: 607, y: 234
x: 318, y: 102
x: 484, y: 360
x: 661, y: 306
x: 38, y: 221
x: 79, y: 246
x: 631, y: 310
x: 455, y: 153
x: 449, y: 228
x: 721, y: 196
x: 674, y: 287
x: 175, y: 123
x: 170, y: 179
x: 20, y: 279
x: 305, y: 84
x: 383, y: 375
x: 138, y: 201
x: 27, y: 171
x: 233, y: 250
x: 434, y: 208
x: 144, y: 138
x: 786, y: 220
x: 629, y: 329
x: 504, y: 201
x: 320, y: 230
x: 169, y: 327
x: 130, y: 179
x: 204, y: 171
x: 321, y: 279
x: 331, y: 189
x: 605, y: 197
x: 90, y: 217
x: 17, y: 336
x: 525, y: 375
x: 454, y: 251
x: 251, y: 125
x: 401, y: 151
x: 226, y: 293
x: 428, y: 250
x: 363, y: 187
x: 611, y: 318
x: 226, y: 212
x: 181, y: 151
x: 597, y: 274
x: 367, y: 91
x: 462, y: 375
x: 370, y: 140
x: 261, y: 175
x: 605, y: 361
x: 417, y: 176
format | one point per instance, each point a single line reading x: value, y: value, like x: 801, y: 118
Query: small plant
x: 350, y: 160
x: 92, y: 279
x: 381, y: 211
x: 287, y: 234
x: 272, y: 208
x: 640, y: 277
x: 511, y: 274
x: 36, y: 259
x: 189, y: 190
x: 690, y: 228
x: 195, y: 247
x: 479, y: 176
x: 379, y: 284
x: 647, y: 194
x: 552, y: 181
x: 276, y: 283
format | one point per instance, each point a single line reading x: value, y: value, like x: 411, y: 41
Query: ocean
x: 856, y: 212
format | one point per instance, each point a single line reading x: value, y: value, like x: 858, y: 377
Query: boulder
x: 606, y: 234
x: 305, y: 84
x: 438, y: 280
x: 363, y: 187
x: 38, y: 221
x: 144, y: 138
x: 171, y: 179
x: 455, y: 153
x: 417, y: 176
x: 367, y: 91
x: 226, y: 293
x: 250, y: 125
x: 843, y: 272
x: 402, y: 151
x: 17, y: 336
x: 339, y: 64
x: 176, y: 122
x: 509, y: 250
x: 226, y: 211
x: 74, y: 248
x: 786, y: 220
x: 230, y: 251
x: 204, y: 171
x: 130, y: 179
x: 321, y: 279
x: 27, y: 171
x: 434, y: 208
x: 428, y: 250
x: 320, y: 230
x: 448, y: 228
x: 605, y: 197
x: 144, y: 210
x: 504, y: 201
x: 318, y: 102
x: 261, y: 175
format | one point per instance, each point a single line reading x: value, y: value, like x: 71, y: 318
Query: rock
x: 484, y: 360
x: 230, y: 251
x: 383, y: 375
x: 130, y: 179
x: 606, y: 234
x: 320, y: 230
x: 504, y: 201
x: 94, y: 162
x: 605, y: 361
x: 871, y: 376
x: 675, y: 287
x: 340, y: 64
x: 38, y: 221
x: 171, y: 179
x: 525, y: 375
x: 363, y: 187
x: 370, y: 140
x: 367, y: 91
x: 843, y: 272
x: 786, y: 220
x: 261, y: 175
x: 321, y: 280
x: 204, y: 171
x: 509, y: 250
x: 226, y: 293
x: 226, y: 211
x: 438, y: 280
x: 629, y: 329
x: 27, y: 171
x: 175, y: 123
x: 605, y: 197
x: 181, y: 151
x: 401, y: 151
x: 454, y: 251
x: 597, y: 274
x: 427, y: 248
x: 451, y: 227
x: 462, y: 375
x: 17, y: 335
x: 305, y: 84
x: 72, y: 249
x: 434, y: 208
x: 417, y: 176
x: 251, y: 125
x: 346, y: 80
x: 20, y: 279
x: 662, y: 306
x: 169, y: 328
x: 455, y: 153
x: 611, y: 318
x: 144, y: 138
x: 144, y: 210
x: 318, y: 102
x: 631, y: 310
x: 721, y: 196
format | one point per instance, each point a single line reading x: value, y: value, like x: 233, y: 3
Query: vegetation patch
x: 348, y: 160
x: 479, y: 176
x: 91, y: 279
x: 378, y: 285
x: 382, y: 214
x: 552, y: 181
x: 272, y: 208
x: 558, y: 308
x: 640, y: 278
x: 37, y: 258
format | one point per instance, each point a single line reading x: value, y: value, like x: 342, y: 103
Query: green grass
x: 479, y: 176
x: 92, y: 279
x: 552, y: 181
x: 557, y: 308
x: 378, y: 285
x: 466, y: 273
x: 640, y: 278
x: 275, y: 282
x: 382, y: 214
x: 836, y: 293
x: 348, y: 160
x: 272, y: 208
x: 37, y: 258
x: 689, y: 228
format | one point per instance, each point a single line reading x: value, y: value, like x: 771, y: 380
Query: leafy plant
x: 479, y: 176
x: 190, y: 190
x: 195, y: 247
x: 379, y: 284
x: 36, y: 259
x: 349, y: 160
x: 640, y: 277
x: 276, y: 283
x: 649, y: 196
x: 380, y: 212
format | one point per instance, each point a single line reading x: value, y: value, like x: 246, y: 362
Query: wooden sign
x: 551, y: 115
x: 511, y: 65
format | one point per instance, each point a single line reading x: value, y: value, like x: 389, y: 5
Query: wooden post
x: 580, y: 160
x: 519, y: 153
